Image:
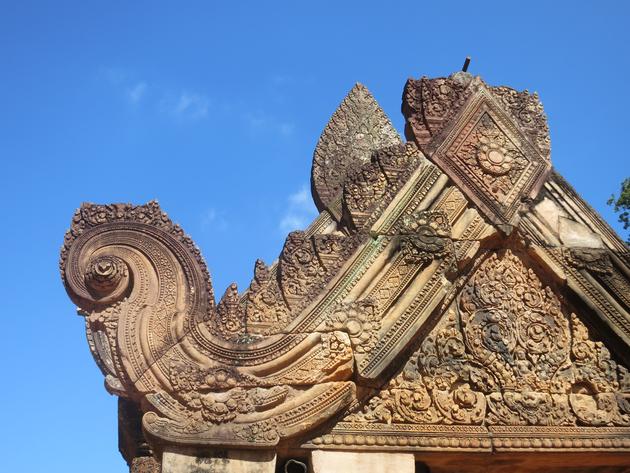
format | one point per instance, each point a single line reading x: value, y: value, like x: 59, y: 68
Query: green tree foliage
x: 622, y: 205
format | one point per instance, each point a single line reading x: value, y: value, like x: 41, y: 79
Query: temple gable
x: 455, y: 303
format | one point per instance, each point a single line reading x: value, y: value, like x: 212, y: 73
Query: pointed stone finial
x: 357, y: 128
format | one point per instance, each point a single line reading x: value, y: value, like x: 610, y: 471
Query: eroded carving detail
x: 360, y: 321
x: 357, y: 128
x: 230, y: 321
x: 266, y: 309
x: 145, y: 465
x: 371, y: 187
x: 429, y: 104
x: 528, y: 112
x: 307, y: 264
x: 591, y: 259
x: 426, y: 236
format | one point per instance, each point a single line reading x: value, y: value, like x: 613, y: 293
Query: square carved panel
x: 490, y: 159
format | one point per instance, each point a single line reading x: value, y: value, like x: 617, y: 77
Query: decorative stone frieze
x: 453, y: 296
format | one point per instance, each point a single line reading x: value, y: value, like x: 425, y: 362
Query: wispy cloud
x: 213, y: 220
x: 265, y: 123
x: 124, y: 81
x: 186, y: 105
x: 182, y: 104
x: 136, y: 92
x: 191, y: 105
x: 300, y: 211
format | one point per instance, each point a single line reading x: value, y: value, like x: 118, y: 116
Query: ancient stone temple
x: 455, y: 307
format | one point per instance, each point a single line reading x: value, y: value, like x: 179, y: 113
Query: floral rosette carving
x: 360, y: 321
x: 491, y: 156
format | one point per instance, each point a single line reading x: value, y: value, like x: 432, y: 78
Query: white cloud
x: 136, y: 92
x: 191, y: 105
x: 213, y: 220
x: 299, y: 213
x: 286, y: 129
x: 181, y: 105
x: 300, y: 198
x: 262, y: 122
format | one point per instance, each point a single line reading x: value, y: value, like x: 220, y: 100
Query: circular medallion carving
x: 493, y: 158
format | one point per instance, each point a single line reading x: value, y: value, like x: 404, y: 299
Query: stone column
x: 329, y: 461
x: 230, y: 461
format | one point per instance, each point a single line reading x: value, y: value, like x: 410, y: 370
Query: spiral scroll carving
x: 151, y: 323
x: 107, y: 277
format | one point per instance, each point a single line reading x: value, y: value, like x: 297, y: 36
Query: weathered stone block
x: 363, y: 462
x: 231, y: 461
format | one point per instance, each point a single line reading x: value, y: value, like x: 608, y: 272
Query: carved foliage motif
x: 430, y: 104
x: 357, y: 128
x: 306, y: 264
x: 372, y: 186
x: 230, y: 316
x: 506, y: 354
x: 299, y: 267
x: 528, y: 112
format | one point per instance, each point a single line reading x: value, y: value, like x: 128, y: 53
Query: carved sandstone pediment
x: 506, y: 353
x: 453, y: 294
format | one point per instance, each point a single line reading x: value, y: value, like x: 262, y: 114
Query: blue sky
x: 214, y: 109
